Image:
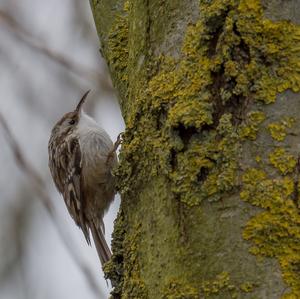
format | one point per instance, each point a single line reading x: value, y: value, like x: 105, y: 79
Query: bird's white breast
x: 95, y: 145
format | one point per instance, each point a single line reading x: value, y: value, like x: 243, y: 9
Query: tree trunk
x: 209, y: 172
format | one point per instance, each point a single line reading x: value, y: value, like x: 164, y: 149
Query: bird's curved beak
x: 81, y: 102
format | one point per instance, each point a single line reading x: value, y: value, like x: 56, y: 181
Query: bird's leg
x: 114, y: 149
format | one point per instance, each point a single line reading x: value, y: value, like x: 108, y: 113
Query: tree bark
x: 209, y: 171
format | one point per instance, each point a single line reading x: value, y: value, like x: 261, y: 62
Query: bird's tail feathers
x: 100, y: 243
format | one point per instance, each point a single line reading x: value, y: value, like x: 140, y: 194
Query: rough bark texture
x: 209, y: 166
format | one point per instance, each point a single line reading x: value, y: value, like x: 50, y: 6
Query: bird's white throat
x: 87, y: 123
x: 92, y: 136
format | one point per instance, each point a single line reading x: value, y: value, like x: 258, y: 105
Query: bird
x: 81, y: 159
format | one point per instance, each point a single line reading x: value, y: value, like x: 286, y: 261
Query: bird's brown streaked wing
x: 66, y: 170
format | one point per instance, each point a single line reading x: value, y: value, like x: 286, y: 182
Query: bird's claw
x: 114, y: 149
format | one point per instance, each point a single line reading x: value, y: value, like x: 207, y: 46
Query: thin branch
x: 80, y: 70
x: 39, y: 186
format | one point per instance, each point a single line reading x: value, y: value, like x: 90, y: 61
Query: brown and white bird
x: 81, y: 159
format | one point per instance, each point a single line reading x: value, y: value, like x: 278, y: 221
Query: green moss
x: 116, y: 52
x: 114, y: 269
x: 250, y: 128
x: 276, y: 231
x: 283, y: 161
x: 123, y: 269
x: 278, y: 130
x: 117, y: 47
x: 133, y: 285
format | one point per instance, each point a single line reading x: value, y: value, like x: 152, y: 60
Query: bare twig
x: 39, y: 186
x: 74, y: 67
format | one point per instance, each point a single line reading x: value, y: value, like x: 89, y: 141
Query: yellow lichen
x: 184, y: 119
x: 278, y: 130
x: 247, y: 287
x: 251, y: 126
x: 207, y: 169
x: 219, y: 285
x: 182, y: 100
x: 179, y: 290
x: 258, y: 159
x: 283, y: 161
x: 190, y: 113
x: 277, y: 42
x: 290, y: 296
x: 275, y: 232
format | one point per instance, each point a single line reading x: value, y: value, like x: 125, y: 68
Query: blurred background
x: 49, y: 56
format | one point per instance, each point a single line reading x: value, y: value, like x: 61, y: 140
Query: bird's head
x: 70, y: 120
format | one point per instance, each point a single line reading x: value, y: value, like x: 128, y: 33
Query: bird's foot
x: 110, y: 155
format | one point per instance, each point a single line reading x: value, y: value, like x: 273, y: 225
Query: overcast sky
x: 35, y: 91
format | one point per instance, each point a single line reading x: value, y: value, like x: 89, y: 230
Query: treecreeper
x: 81, y: 159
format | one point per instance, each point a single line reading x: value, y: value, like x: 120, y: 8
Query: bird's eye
x: 72, y: 122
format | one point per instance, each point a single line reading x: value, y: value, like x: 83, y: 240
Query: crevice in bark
x: 202, y: 175
x: 295, y: 194
x: 216, y: 25
x: 173, y: 159
x: 161, y: 118
x: 185, y: 134
x: 241, y: 54
x: 236, y: 104
x: 182, y: 211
